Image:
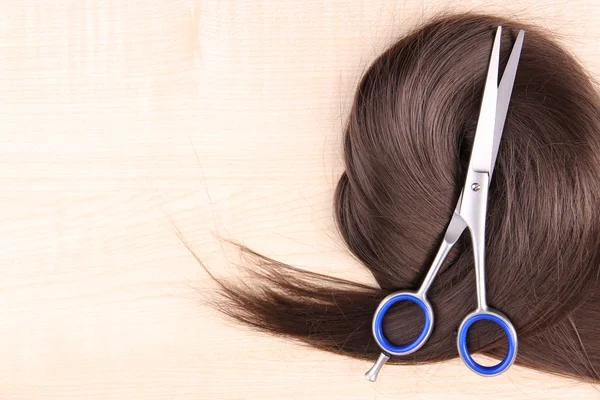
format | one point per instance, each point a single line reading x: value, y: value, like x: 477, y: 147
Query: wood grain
x: 124, y: 122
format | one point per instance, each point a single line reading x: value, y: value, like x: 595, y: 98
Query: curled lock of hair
x: 406, y: 146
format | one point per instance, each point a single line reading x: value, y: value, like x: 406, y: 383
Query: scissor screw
x: 476, y: 186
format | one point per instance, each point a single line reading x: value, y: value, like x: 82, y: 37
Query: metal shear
x: 470, y: 213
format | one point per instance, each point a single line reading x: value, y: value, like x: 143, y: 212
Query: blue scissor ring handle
x: 510, y: 335
x: 384, y: 306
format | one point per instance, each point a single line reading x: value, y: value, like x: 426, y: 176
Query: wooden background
x: 122, y: 122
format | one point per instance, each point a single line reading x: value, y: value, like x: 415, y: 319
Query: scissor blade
x: 504, y: 92
x: 483, y: 144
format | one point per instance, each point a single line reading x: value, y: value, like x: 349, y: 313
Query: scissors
x: 470, y: 212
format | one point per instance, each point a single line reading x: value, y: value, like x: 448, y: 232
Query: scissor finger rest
x: 511, y: 335
x: 384, y: 306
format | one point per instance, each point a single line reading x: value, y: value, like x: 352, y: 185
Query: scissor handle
x: 509, y: 330
x: 401, y: 350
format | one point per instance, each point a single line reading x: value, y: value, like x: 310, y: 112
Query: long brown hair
x: 406, y: 147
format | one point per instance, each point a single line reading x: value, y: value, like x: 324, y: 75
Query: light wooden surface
x: 123, y: 121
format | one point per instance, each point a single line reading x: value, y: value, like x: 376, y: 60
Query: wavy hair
x: 406, y: 148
